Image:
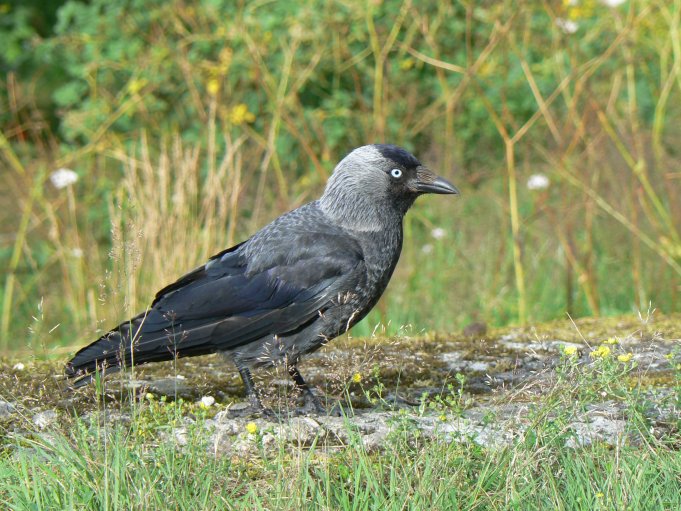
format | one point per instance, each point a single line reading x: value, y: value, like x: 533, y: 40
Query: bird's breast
x: 381, y: 253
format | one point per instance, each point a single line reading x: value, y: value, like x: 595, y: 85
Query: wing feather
x: 274, y: 283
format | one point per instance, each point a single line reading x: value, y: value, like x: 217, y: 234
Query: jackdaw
x: 300, y: 281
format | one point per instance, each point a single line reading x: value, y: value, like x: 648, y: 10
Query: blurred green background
x: 181, y: 127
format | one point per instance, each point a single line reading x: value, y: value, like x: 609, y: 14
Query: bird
x: 294, y: 285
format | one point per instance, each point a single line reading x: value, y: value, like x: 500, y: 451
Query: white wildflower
x: 438, y: 233
x: 180, y: 377
x: 538, y: 182
x: 62, y: 178
x: 77, y: 252
x: 18, y: 366
x: 207, y: 401
x: 613, y: 3
x: 567, y: 26
x: 427, y: 248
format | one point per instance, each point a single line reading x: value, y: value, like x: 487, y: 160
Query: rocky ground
x: 486, y: 386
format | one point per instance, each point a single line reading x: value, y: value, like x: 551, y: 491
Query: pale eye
x: 396, y: 173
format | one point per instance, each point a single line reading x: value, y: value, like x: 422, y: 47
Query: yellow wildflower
x: 406, y: 64
x: 136, y: 84
x: 251, y: 428
x: 570, y: 351
x: 625, y: 357
x: 213, y: 86
x: 240, y: 114
x: 579, y: 10
x: 611, y: 341
x: 356, y: 378
x: 669, y: 356
x: 600, y: 495
x: 149, y: 396
x: 487, y: 68
x: 601, y: 352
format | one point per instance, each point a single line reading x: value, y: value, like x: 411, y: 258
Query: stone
x: 6, y: 409
x: 45, y: 419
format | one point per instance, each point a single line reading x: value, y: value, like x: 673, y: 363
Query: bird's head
x: 378, y: 183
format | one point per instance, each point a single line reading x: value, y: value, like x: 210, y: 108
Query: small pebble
x: 45, y: 419
x: 6, y: 408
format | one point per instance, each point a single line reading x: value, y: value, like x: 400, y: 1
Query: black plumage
x: 302, y: 280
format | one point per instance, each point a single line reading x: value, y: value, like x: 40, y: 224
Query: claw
x: 311, y: 404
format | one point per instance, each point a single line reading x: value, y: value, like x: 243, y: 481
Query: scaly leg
x: 311, y: 400
x: 252, y: 393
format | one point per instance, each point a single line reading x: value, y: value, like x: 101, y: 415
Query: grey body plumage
x: 300, y: 281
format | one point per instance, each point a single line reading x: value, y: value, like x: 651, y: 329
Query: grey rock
x: 600, y: 429
x: 171, y: 387
x: 180, y: 436
x: 45, y: 418
x: 302, y: 431
x: 6, y: 409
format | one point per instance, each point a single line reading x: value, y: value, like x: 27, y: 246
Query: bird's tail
x: 130, y: 343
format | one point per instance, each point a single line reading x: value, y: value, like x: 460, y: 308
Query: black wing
x: 232, y: 301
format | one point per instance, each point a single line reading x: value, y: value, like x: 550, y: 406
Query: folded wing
x: 241, y: 295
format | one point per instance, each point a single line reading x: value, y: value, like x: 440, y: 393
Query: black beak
x: 427, y: 182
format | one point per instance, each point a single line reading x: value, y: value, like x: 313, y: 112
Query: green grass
x: 91, y: 468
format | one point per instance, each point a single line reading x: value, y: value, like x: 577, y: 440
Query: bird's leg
x: 311, y: 400
x: 252, y: 392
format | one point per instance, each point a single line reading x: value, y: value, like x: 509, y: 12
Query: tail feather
x: 136, y: 342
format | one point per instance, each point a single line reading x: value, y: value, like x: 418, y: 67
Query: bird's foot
x: 311, y: 404
x: 269, y: 414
